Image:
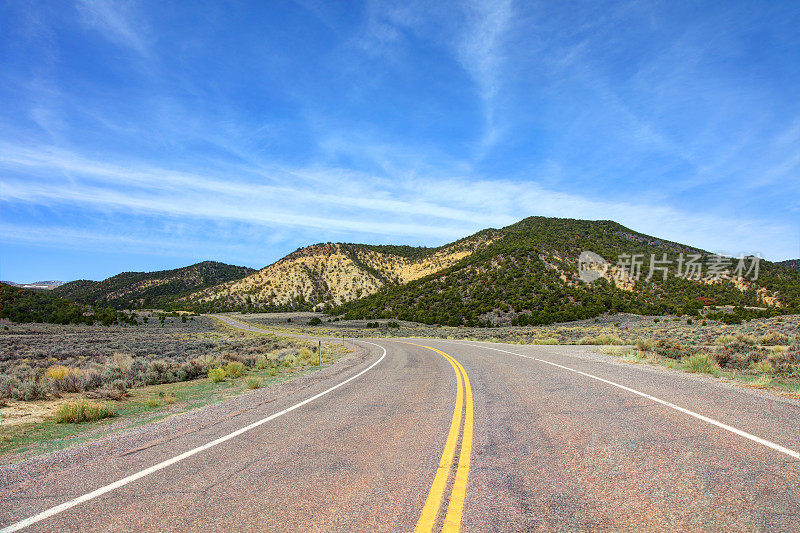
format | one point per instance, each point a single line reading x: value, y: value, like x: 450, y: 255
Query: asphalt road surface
x: 438, y: 435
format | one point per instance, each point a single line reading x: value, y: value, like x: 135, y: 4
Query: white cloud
x: 325, y: 202
x: 117, y: 21
x: 480, y: 50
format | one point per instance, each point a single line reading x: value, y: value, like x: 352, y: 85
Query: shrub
x: 601, y: 340
x: 261, y: 362
x: 80, y: 411
x: 700, y: 363
x: 234, y: 369
x: 216, y: 374
x: 65, y: 379
x: 761, y: 367
x: 27, y: 389
x: 290, y: 360
x: 108, y: 393
x: 724, y: 339
x: 253, y: 382
x: 57, y: 372
x: 787, y: 361
x: 644, y: 345
x: 545, y: 341
x: 153, y: 402
x: 92, y: 380
x: 307, y: 357
x: 774, y: 338
x: 315, y: 321
x: 737, y: 354
x: 672, y: 350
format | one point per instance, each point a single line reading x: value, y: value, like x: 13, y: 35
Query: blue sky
x: 143, y: 136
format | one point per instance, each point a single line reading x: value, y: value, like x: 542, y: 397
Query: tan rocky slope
x: 324, y: 275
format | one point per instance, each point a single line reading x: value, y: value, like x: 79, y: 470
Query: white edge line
x: 147, y: 471
x: 764, y: 442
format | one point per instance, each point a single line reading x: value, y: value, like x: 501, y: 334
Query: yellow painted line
x: 434, y: 501
x: 455, y: 508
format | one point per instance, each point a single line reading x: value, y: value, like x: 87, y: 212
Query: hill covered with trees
x: 530, y: 274
x: 791, y: 263
x: 136, y: 290
x: 24, y: 305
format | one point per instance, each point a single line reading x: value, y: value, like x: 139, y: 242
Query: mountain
x: 329, y: 274
x: 529, y: 273
x: 150, y: 289
x: 23, y: 305
x: 40, y: 285
x: 791, y: 263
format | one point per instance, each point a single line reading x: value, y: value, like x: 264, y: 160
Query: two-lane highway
x: 439, y: 435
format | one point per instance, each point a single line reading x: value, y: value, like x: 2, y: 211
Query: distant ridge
x: 41, y: 285
x: 150, y: 289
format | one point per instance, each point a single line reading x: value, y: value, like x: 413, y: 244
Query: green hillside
x: 529, y: 275
x: 24, y: 305
x: 132, y: 290
x: 794, y: 264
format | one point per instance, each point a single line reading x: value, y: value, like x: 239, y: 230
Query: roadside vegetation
x: 63, y: 384
x: 760, y: 352
x: 42, y: 361
x: 611, y: 328
x: 769, y: 361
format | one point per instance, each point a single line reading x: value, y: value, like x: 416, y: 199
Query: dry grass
x: 601, y: 340
x: 234, y: 369
x: 80, y: 411
x: 216, y: 375
x: 700, y: 363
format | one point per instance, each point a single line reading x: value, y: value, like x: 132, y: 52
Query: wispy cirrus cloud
x: 340, y: 202
x: 118, y: 22
x: 481, y: 51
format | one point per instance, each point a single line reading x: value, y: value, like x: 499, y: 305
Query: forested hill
x: 150, y: 289
x: 791, y: 263
x: 529, y: 274
x: 25, y: 305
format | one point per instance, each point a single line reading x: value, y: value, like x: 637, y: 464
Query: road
x: 439, y: 435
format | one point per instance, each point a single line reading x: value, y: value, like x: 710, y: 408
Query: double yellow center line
x: 455, y: 507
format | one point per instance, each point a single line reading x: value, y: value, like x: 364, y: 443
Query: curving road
x: 438, y: 435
